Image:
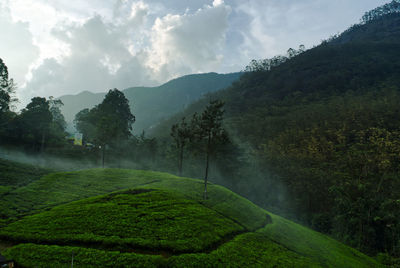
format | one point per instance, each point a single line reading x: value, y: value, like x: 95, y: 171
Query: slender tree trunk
x: 180, y: 161
x: 207, y: 163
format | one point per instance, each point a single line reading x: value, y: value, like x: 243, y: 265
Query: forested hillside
x: 326, y: 123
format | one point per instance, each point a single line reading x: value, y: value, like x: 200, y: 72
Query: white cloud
x: 104, y: 54
x: 97, y: 53
x: 16, y: 46
x: 139, y: 12
x: 218, y: 2
x: 189, y: 42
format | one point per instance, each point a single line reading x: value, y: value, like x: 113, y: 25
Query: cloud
x: 99, y: 59
x: 16, y: 46
x: 104, y: 54
x: 275, y: 26
x: 189, y: 42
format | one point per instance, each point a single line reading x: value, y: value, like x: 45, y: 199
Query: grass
x: 247, y: 250
x: 43, y: 256
x: 93, y: 213
x: 14, y: 174
x: 59, y: 188
x: 151, y: 219
x: 319, y: 247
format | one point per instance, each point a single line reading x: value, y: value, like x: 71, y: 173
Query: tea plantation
x: 131, y: 218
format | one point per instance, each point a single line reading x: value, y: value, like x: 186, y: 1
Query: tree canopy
x: 6, y: 88
x: 109, y: 121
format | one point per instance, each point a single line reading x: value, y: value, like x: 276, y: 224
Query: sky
x: 59, y: 47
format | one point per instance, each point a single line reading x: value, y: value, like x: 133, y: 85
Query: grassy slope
x: 281, y: 243
x: 14, y: 174
x: 152, y: 220
x: 321, y: 248
x: 59, y: 188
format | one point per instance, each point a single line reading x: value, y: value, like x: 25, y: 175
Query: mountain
x: 152, y: 104
x: 124, y: 218
x: 327, y: 124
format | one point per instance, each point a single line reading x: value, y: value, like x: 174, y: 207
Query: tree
x: 84, y: 123
x: 182, y: 134
x: 36, y: 119
x: 208, y: 131
x: 108, y: 123
x: 6, y: 89
x: 115, y: 110
x: 58, y: 124
x: 6, y: 99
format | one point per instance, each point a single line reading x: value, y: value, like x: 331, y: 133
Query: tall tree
x: 58, y: 124
x: 36, y: 119
x: 182, y: 134
x: 84, y: 123
x: 115, y: 110
x: 108, y: 123
x: 208, y: 131
x: 6, y: 89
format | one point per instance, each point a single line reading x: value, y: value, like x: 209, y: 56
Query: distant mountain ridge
x: 152, y: 104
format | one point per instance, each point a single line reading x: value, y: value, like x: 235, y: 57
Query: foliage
x: 268, y: 64
x: 38, y: 126
x: 389, y: 8
x: 110, y: 120
x: 36, y: 120
x: 6, y: 89
x: 58, y: 123
x: 108, y: 123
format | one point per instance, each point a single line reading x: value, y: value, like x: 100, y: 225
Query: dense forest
x: 313, y: 135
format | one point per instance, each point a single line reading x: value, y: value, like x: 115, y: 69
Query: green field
x: 152, y: 220
x: 16, y: 174
x: 131, y: 218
